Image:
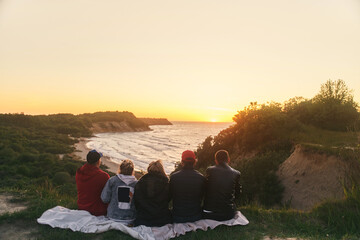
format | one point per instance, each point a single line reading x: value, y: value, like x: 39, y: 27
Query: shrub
x: 61, y: 178
x: 71, y: 167
x: 258, y: 179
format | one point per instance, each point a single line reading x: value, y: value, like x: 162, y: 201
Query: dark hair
x: 222, y: 156
x: 126, y: 167
x: 92, y: 157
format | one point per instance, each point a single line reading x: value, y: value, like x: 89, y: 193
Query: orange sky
x: 183, y: 60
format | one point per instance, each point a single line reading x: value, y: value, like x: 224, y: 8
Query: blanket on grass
x: 83, y: 221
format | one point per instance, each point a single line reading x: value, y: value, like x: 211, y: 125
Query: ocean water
x: 165, y: 142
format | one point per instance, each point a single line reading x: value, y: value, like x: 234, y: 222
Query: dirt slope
x: 310, y: 178
x: 112, y: 126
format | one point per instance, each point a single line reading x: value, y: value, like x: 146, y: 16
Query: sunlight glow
x: 182, y: 60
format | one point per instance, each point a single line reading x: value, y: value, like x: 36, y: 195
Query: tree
x: 335, y: 92
x: 333, y: 107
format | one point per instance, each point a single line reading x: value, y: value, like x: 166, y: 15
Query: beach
x: 164, y: 142
x: 81, y: 150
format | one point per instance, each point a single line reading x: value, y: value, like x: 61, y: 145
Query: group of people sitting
x: 146, y: 201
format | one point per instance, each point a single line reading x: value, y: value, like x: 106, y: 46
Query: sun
x: 213, y: 120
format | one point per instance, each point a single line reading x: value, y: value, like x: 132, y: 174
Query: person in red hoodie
x: 90, y: 181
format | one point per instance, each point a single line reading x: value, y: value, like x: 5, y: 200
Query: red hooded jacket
x: 90, y: 181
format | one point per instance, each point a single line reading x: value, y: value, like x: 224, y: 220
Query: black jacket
x: 222, y: 187
x: 151, y: 200
x: 187, y: 188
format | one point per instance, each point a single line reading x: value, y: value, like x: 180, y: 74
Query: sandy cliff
x: 156, y: 121
x: 310, y: 178
x: 112, y: 126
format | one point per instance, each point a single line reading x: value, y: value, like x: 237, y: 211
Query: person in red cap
x: 90, y: 181
x: 187, y: 188
x: 222, y: 187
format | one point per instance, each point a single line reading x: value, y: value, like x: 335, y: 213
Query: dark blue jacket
x: 187, y: 188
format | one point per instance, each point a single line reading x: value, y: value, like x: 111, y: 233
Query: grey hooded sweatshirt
x: 118, y: 192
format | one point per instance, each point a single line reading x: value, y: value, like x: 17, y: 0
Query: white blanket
x: 83, y: 221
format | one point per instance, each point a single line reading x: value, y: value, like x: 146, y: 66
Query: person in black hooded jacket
x: 222, y: 188
x: 152, y: 197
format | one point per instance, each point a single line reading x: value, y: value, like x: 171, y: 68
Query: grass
x: 331, y: 220
x: 344, y: 145
x: 320, y: 137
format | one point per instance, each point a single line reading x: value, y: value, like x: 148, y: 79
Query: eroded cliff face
x: 310, y: 178
x: 112, y: 126
x: 156, y: 121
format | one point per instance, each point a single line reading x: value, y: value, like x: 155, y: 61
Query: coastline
x: 81, y: 150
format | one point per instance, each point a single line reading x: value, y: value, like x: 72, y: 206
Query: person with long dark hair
x: 151, y: 197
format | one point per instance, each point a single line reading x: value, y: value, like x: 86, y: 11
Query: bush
x: 258, y: 179
x: 71, y: 167
x: 271, y: 191
x: 61, y: 178
x: 27, y: 158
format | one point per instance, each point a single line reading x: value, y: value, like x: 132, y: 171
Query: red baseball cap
x: 188, y: 156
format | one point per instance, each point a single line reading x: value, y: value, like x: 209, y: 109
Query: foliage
x: 335, y: 91
x: 333, y: 108
x: 320, y: 137
x: 258, y: 179
x: 263, y: 135
x: 61, y: 178
x: 30, y: 148
x: 258, y: 126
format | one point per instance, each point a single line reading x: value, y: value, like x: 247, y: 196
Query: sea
x: 164, y: 142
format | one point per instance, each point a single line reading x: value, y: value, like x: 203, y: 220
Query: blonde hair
x: 156, y: 167
x: 126, y: 167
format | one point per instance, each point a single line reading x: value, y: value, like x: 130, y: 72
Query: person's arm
x: 206, y: 180
x: 170, y: 190
x: 204, y: 185
x: 136, y: 195
x: 106, y: 193
x: 237, y: 186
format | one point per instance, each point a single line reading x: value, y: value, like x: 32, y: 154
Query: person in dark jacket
x: 90, y: 181
x: 187, y: 190
x: 222, y: 187
x: 151, y: 197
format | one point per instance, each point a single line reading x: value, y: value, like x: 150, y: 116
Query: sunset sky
x: 182, y: 60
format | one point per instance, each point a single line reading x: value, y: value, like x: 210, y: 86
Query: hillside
x: 296, y: 154
x: 114, y: 122
x: 156, y: 121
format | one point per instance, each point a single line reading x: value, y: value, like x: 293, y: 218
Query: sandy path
x: 6, y: 206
